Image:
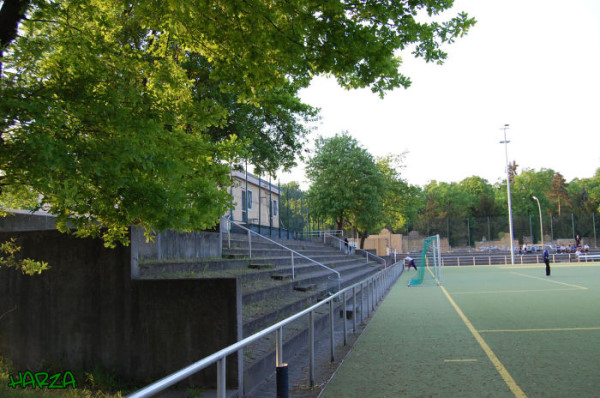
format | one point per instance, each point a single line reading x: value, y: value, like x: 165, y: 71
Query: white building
x: 261, y: 196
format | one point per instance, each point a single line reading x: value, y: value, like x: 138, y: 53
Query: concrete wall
x: 24, y: 220
x: 175, y: 245
x: 86, y: 311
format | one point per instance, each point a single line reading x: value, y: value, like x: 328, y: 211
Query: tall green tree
x: 480, y: 192
x: 558, y: 193
x: 584, y: 194
x: 293, y: 207
x: 528, y: 184
x: 118, y: 113
x: 346, y: 185
x: 400, y: 200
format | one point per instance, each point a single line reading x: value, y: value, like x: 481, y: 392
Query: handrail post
x: 373, y: 294
x: 331, y: 336
x: 221, y: 378
x: 293, y: 276
x: 311, y: 342
x: 354, y: 309
x: 368, y: 287
x: 250, y: 243
x: 278, y: 346
x: 344, y: 319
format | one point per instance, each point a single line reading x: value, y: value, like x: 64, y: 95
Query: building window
x: 249, y: 203
x: 274, y: 207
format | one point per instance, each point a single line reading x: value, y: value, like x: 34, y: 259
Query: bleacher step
x: 281, y: 276
x: 305, y: 287
x: 260, y: 266
x: 349, y: 311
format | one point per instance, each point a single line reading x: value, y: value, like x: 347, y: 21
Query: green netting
x: 422, y: 263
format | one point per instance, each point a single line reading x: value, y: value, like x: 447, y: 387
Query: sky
x: 531, y: 64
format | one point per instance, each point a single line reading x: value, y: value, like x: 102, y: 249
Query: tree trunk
x: 362, y: 241
x: 340, y: 222
x: 11, y: 13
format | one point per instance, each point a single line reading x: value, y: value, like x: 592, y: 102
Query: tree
x: 400, y: 201
x: 346, y: 185
x: 558, y: 193
x: 528, y: 184
x: 293, y: 200
x: 120, y: 113
x: 512, y: 171
x: 584, y: 194
x: 480, y: 196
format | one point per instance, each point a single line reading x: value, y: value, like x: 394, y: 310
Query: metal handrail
x: 504, y: 259
x: 377, y: 285
x: 276, y: 243
x: 384, y: 262
x: 321, y: 232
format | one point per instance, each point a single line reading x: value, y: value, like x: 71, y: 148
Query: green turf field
x: 489, y: 331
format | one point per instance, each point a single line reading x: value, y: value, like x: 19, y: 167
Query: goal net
x: 429, y: 264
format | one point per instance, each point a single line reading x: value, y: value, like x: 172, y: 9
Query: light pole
x: 510, y: 219
x: 541, y: 227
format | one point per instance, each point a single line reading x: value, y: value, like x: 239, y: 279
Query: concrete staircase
x: 271, y: 290
x: 269, y: 294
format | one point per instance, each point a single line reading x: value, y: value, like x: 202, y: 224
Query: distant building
x: 259, y: 205
x: 387, y: 243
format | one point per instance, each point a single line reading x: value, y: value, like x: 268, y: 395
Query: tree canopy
x: 347, y: 187
x: 118, y: 113
x: 465, y: 212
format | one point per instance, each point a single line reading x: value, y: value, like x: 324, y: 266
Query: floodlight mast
x: 510, y: 218
x: 541, y: 226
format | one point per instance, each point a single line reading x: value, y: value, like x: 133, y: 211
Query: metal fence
x: 504, y: 259
x: 366, y: 294
x: 468, y: 231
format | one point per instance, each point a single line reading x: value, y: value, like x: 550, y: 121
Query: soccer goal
x: 429, y: 265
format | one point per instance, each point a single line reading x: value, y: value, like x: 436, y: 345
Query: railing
x: 520, y: 259
x: 591, y: 257
x: 319, y: 234
x: 342, y: 245
x: 382, y: 260
x: 293, y: 252
x: 375, y: 286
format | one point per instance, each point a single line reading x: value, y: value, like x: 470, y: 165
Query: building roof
x: 252, y: 179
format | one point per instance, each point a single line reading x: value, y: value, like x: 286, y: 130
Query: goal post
x: 429, y: 264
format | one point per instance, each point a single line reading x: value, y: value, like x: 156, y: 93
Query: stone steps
x: 266, y: 300
x: 259, y: 357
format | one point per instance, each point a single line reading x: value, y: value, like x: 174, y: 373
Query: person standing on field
x: 547, y: 261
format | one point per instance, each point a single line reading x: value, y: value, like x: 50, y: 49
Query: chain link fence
x: 526, y: 229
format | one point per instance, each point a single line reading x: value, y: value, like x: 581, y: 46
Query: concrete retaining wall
x: 86, y: 311
x: 170, y: 245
